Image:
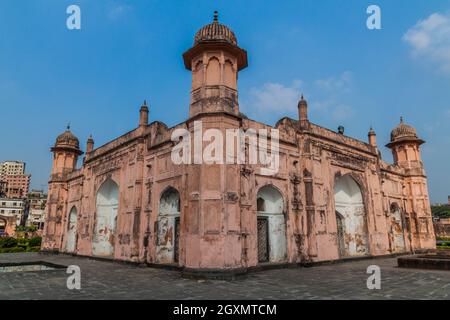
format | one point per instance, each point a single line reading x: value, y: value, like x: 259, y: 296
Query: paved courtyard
x: 109, y: 280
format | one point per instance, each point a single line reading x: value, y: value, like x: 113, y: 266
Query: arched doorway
x: 397, y: 228
x: 106, y: 219
x: 340, y: 222
x: 2, y: 227
x: 72, y: 231
x: 271, y: 226
x: 350, y: 218
x: 168, y: 227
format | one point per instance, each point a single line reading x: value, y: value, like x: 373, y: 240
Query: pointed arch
x: 271, y: 225
x: 168, y: 226
x: 349, y: 205
x: 396, y: 228
x: 107, y: 203
x: 197, y: 75
x: 71, y: 243
x: 229, y: 74
x: 213, y: 72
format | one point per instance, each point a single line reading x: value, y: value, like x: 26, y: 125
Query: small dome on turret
x: 215, y: 32
x: 67, y: 138
x: 403, y: 131
x: 302, y: 102
x: 68, y: 141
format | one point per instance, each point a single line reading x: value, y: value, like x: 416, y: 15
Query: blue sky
x: 96, y: 78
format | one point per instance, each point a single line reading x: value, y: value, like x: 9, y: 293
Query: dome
x: 215, y: 32
x: 403, y: 131
x: 67, y: 139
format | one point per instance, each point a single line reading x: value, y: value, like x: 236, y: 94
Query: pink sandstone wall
x: 218, y: 202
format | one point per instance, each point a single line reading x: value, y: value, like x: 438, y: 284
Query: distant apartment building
x: 2, y: 188
x: 441, y: 223
x: 37, y: 200
x: 12, y: 168
x: 12, y: 208
x: 14, y: 183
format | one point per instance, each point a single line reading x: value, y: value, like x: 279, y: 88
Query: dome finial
x: 401, y: 119
x: 216, y: 16
x: 68, y: 126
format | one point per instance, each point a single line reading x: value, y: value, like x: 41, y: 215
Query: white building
x: 12, y: 168
x: 36, y: 215
x: 12, y: 207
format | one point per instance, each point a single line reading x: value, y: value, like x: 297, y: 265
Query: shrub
x: 22, y: 242
x: 12, y: 250
x: 8, y: 242
x: 35, y: 242
x: 33, y: 249
x: 26, y: 229
x: 17, y: 249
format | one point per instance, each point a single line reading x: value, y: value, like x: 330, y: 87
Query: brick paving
x: 111, y: 280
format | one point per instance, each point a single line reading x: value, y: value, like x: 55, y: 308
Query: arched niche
x: 229, y: 74
x: 348, y: 200
x: 72, y: 231
x: 197, y: 75
x: 168, y: 226
x: 107, y: 203
x: 396, y: 228
x: 213, y: 72
x: 271, y: 226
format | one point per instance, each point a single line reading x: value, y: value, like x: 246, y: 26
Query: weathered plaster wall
x: 218, y: 203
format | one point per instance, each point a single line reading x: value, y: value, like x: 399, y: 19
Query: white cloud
x: 325, y: 96
x: 276, y: 96
x: 343, y: 82
x: 342, y: 112
x: 430, y: 40
x: 332, y: 107
x: 118, y: 11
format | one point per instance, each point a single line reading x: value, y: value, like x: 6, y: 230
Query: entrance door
x: 340, y: 233
x: 176, y: 253
x: 263, y: 239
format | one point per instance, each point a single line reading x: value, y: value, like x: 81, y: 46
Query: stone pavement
x: 110, y: 280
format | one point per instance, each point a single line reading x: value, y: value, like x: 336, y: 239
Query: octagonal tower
x: 215, y: 60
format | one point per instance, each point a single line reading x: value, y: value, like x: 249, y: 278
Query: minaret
x: 89, y: 144
x: 303, y: 111
x: 65, y: 156
x: 405, y: 146
x: 143, y: 115
x: 372, y: 137
x: 65, y: 153
x: 215, y: 60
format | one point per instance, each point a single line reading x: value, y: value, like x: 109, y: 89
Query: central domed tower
x: 214, y: 60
